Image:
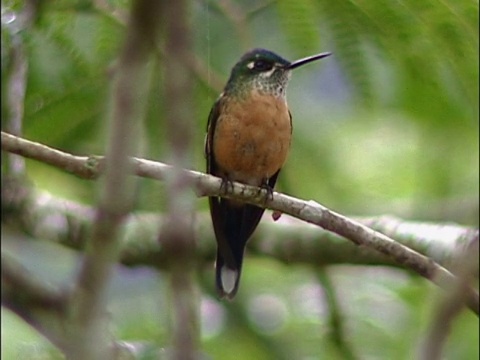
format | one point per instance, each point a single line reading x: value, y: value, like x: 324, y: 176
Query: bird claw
x: 226, y: 186
x: 268, y: 189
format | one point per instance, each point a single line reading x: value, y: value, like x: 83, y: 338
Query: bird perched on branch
x: 248, y: 140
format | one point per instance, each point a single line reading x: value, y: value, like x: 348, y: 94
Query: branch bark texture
x: 308, y: 211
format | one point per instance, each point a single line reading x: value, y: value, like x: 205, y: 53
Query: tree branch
x: 177, y: 233
x: 336, y: 319
x: 309, y: 211
x: 16, y: 72
x: 289, y: 240
x: 45, y: 307
x: 450, y: 304
x: 38, y: 303
x: 90, y: 338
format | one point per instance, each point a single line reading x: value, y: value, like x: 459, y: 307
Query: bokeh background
x: 387, y: 125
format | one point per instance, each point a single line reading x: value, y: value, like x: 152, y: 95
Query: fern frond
x: 347, y: 29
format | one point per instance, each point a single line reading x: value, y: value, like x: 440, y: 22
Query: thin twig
x: 37, y: 302
x: 45, y: 307
x: 196, y: 65
x: 17, y: 78
x: 336, y: 318
x: 451, y: 303
x: 238, y: 17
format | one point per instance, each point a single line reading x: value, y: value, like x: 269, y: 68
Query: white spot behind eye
x: 251, y: 65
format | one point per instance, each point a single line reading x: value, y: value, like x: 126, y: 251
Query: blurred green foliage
x: 389, y: 124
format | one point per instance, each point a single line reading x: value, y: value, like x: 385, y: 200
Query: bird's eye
x: 262, y: 65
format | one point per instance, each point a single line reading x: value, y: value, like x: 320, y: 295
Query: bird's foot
x: 226, y: 186
x: 268, y: 189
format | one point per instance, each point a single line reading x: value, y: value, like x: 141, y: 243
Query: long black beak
x: 306, y: 60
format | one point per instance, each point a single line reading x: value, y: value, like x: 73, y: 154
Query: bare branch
x: 90, y: 337
x: 177, y: 233
x: 17, y: 76
x: 309, y: 211
x: 289, y: 240
x: 45, y: 307
x: 451, y: 302
x: 238, y: 17
x: 81, y: 166
x: 336, y: 318
x: 38, y: 303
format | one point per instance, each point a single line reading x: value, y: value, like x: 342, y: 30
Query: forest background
x: 386, y: 129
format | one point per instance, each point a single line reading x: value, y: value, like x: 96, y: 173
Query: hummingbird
x: 248, y: 138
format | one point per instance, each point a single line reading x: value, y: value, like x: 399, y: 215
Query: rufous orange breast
x: 252, y: 138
